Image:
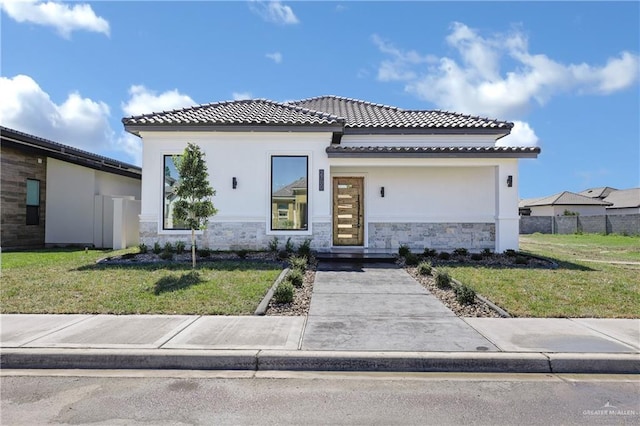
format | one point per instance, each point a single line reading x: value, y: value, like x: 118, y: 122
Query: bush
x: 461, y: 251
x: 283, y: 255
x: 242, y: 253
x: 168, y: 247
x: 180, y: 247
x: 273, y: 244
x: 156, y: 248
x: 476, y: 256
x: 288, y: 246
x: 511, y: 253
x: 443, y: 280
x: 465, y: 295
x: 284, y: 292
x: 430, y: 252
x: 411, y: 259
x: 204, y: 252
x: 142, y: 248
x: 404, y: 250
x: 487, y: 252
x: 298, y: 263
x: 166, y: 255
x: 521, y: 260
x: 444, y: 255
x: 424, y: 268
x: 305, y: 248
x: 296, y: 277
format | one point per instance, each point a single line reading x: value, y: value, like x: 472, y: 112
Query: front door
x: 348, y: 211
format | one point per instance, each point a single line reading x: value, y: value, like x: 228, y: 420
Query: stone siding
x: 439, y: 236
x: 236, y: 236
x: 628, y: 224
x: 18, y: 166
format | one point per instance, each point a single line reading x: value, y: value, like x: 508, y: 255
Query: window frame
x: 28, y: 205
x: 270, y: 212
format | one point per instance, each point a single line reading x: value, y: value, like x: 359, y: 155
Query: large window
x: 171, y: 179
x: 289, y: 187
x: 33, y: 202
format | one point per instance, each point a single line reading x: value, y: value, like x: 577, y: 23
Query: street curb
x: 269, y: 360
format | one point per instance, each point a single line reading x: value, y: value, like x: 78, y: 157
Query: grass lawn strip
x: 69, y: 281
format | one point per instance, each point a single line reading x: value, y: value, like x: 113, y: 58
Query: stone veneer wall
x: 18, y: 166
x: 439, y: 236
x: 236, y: 235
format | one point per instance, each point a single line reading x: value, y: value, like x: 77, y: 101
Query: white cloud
x: 274, y: 11
x: 79, y: 122
x: 275, y: 57
x: 240, y: 96
x: 521, y: 135
x: 64, y: 18
x: 145, y: 101
x: 474, y: 83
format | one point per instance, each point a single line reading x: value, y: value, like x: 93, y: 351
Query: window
x: 289, y: 193
x: 33, y: 202
x: 170, y: 181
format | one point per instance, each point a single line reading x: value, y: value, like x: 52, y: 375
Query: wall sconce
x: 509, y: 181
x: 382, y: 191
x: 234, y: 182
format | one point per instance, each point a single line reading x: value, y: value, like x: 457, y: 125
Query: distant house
x: 601, y: 192
x: 563, y: 203
x: 626, y: 201
x: 54, y: 194
x: 345, y: 173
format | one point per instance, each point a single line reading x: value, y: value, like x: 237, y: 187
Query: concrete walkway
x: 371, y: 318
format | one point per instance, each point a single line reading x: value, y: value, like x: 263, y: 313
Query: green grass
x: 577, y: 288
x: 69, y: 281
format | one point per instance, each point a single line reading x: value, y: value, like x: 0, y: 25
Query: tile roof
x: 600, y: 192
x: 426, y: 151
x: 362, y: 114
x: 243, y: 112
x: 322, y: 110
x: 625, y: 198
x: 566, y: 198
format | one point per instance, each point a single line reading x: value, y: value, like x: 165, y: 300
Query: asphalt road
x: 243, y: 398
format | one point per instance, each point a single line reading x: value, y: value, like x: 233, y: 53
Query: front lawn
x: 579, y: 287
x: 69, y: 281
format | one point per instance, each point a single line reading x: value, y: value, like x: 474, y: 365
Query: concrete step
x: 356, y: 257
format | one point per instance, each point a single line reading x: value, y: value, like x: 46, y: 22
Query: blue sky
x: 566, y: 73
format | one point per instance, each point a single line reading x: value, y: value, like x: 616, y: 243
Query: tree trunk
x: 193, y: 249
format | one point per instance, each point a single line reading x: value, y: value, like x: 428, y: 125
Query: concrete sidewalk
x: 371, y: 318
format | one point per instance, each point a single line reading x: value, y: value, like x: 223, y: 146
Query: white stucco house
x: 343, y: 172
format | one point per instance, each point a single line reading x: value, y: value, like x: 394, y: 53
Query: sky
x: 566, y: 73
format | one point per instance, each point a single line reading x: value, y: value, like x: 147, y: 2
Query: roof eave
x: 498, y: 132
x: 135, y: 129
x: 332, y: 153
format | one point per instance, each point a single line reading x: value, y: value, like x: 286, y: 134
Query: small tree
x: 194, y: 206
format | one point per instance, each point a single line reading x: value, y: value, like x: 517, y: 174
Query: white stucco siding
x: 560, y: 210
x: 116, y: 185
x: 243, y: 155
x: 426, y: 194
x: 70, y: 202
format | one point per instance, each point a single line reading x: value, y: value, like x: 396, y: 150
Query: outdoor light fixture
x: 382, y: 191
x: 234, y: 182
x: 509, y: 181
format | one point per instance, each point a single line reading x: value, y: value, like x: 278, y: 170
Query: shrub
x: 305, y: 248
x: 242, y: 253
x: 166, y: 255
x: 404, y: 250
x: 283, y: 255
x: 180, y: 245
x: 168, y: 247
x: 288, y: 246
x: 443, y: 280
x: 444, y: 255
x: 465, y: 295
x: 298, y: 263
x: 486, y: 252
x: 295, y: 277
x: 273, y: 244
x: 476, y: 256
x: 511, y: 253
x: 284, y: 292
x: 204, y: 252
x: 156, y: 248
x: 521, y: 260
x: 430, y: 252
x: 411, y: 259
x: 461, y: 251
x: 424, y: 268
x: 142, y: 248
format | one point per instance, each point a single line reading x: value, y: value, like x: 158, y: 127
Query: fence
x: 626, y: 224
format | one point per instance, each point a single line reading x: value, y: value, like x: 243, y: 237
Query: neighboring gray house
x: 601, y: 192
x: 563, y: 203
x: 626, y: 201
